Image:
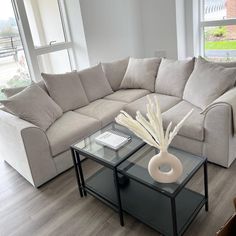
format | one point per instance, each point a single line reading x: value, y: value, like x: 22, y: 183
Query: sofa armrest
x: 228, y: 98
x: 25, y: 147
x: 219, y: 143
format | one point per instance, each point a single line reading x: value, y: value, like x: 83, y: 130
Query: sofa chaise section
x: 209, y: 133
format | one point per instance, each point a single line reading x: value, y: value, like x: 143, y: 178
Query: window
x: 218, y: 29
x: 13, y: 65
x: 36, y: 30
x: 46, y: 35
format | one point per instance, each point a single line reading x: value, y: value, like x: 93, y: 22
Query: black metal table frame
x: 83, y: 189
x: 172, y: 197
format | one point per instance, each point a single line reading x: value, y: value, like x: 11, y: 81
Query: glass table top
x: 136, y: 167
x: 89, y: 146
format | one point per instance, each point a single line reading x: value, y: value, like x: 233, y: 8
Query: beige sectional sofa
x: 39, y: 155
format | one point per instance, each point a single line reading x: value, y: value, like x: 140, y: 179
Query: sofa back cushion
x: 115, y: 72
x: 34, y: 105
x: 66, y: 90
x: 172, y: 76
x: 226, y: 64
x: 208, y: 82
x: 8, y: 92
x: 141, y: 73
x: 95, y: 83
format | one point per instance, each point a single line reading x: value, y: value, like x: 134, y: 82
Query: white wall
x: 112, y: 29
x: 76, y: 28
x: 159, y: 27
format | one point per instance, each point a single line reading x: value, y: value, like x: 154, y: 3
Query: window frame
x: 32, y: 52
x: 209, y: 23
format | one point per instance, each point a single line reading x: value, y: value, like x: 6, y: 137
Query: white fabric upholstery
x: 25, y: 147
x: 172, y: 76
x: 193, y: 126
x: 228, y: 98
x: 166, y: 102
x: 187, y: 144
x: 141, y: 73
x: 207, y: 82
x: 231, y: 64
x: 63, y: 161
x: 66, y: 90
x: 103, y: 110
x: 115, y: 72
x: 95, y: 83
x: 34, y: 105
x: 68, y: 129
x: 220, y: 143
x: 39, y: 156
x: 127, y: 95
x: 13, y: 91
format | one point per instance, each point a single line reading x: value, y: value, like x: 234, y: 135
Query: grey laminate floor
x: 56, y: 208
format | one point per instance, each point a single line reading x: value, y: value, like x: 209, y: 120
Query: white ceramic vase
x: 165, y: 158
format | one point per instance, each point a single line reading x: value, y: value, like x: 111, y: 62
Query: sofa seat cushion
x: 165, y: 101
x: 127, y: 95
x: 68, y: 129
x: 193, y: 127
x: 102, y: 109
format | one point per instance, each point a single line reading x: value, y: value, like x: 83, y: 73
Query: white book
x: 112, y: 140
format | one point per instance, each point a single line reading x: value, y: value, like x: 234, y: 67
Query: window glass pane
x: 13, y: 66
x: 219, y: 9
x: 220, y: 43
x: 55, y: 62
x: 45, y: 21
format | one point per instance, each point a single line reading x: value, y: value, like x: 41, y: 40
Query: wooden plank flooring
x: 56, y: 208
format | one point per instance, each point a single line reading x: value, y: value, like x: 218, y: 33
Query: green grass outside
x: 216, y: 45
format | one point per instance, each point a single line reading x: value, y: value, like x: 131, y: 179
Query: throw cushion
x: 95, y: 83
x: 207, y: 82
x: 66, y: 90
x: 115, y: 72
x: 35, y: 106
x: 172, y: 76
x: 141, y: 73
x: 229, y: 64
x: 8, y: 92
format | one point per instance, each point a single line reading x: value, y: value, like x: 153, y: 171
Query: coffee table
x: 124, y: 183
x: 104, y: 183
x: 168, y: 208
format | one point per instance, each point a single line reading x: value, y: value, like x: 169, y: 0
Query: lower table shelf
x: 149, y: 206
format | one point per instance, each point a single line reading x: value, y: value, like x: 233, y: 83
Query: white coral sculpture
x: 151, y: 130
